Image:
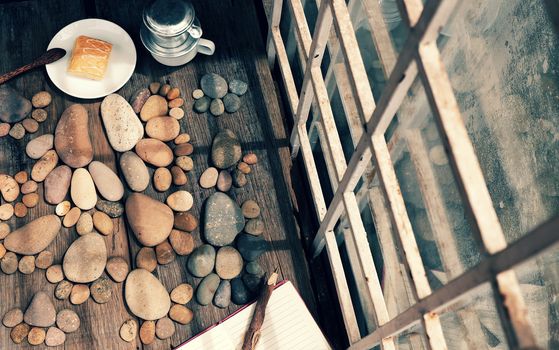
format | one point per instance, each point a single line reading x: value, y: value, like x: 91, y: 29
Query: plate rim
x: 90, y: 97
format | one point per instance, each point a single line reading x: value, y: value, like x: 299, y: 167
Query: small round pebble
x: 254, y: 268
x: 17, y: 131
x: 12, y: 318
x: 154, y: 87
x: 250, y: 158
x: 176, y: 103
x: 103, y: 223
x: 6, y: 211
x: 112, y: 209
x: 41, y: 99
x: 63, y: 208
x: 68, y: 321
x: 250, y: 209
x: 72, y: 217
x: 39, y: 115
x: 228, y: 263
x: 182, y: 293
x: 238, y: 87
x: 85, y: 224
x: 19, y: 332
x: 182, y: 138
x: 164, y: 328
x: 179, y: 177
x: 198, y: 93
x: 44, y: 260
x: 20, y: 210
x: 54, y: 274
x: 80, y: 293
x: 244, y: 168
x: 182, y: 242
x: 101, y: 290
x: 177, y: 113
x: 173, y: 93
x: 164, y: 253
x: 147, y: 332
x: 146, y: 259
x: 63, y: 290
x: 30, y: 125
x: 27, y: 264
x: 184, y: 149
x: 2, y: 250
x: 180, y: 201
x: 209, y: 177
x: 4, y: 129
x: 185, y: 163
x: 128, y: 330
x: 202, y: 104
x: 224, y: 181
x: 117, y: 268
x: 162, y: 179
x: 254, y: 226
x: 217, y: 107
x: 231, y: 102
x: 30, y: 200
x: 29, y: 187
x: 55, y: 337
x: 239, y: 178
x: 181, y: 314
x: 36, y: 336
x: 222, y: 297
x: 164, y: 89
x: 21, y: 177
x: 9, y: 263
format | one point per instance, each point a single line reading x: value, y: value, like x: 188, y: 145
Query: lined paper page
x: 288, y: 325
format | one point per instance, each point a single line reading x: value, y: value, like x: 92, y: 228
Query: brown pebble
x: 63, y: 289
x: 177, y: 113
x: 4, y: 230
x: 173, y: 93
x: 182, y: 242
x: 147, y: 332
x: 103, y: 223
x: 9, y: 263
x: 164, y: 89
x: 36, y: 336
x: 164, y: 253
x: 176, y: 103
x: 179, y: 177
x: 12, y: 318
x: 182, y: 293
x: 6, y: 211
x: 72, y: 217
x: 55, y: 274
x: 30, y: 200
x: 185, y: 222
x: 154, y: 87
x: 181, y: 314
x: 2, y: 250
x: 209, y: 178
x: 184, y: 149
x: 185, y: 163
x: 39, y: 115
x: 68, y: 320
x: 17, y: 131
x: 63, y: 208
x: 27, y: 264
x: 20, y: 210
x: 30, y: 125
x: 44, y: 260
x: 146, y: 259
x: 80, y: 294
x: 29, y: 187
x: 182, y: 138
x: 250, y: 209
x: 239, y: 179
x: 102, y: 290
x: 224, y: 181
x: 244, y: 167
x: 41, y: 99
x: 128, y: 330
x: 164, y: 328
x: 19, y: 332
x: 162, y: 179
x: 117, y: 268
x: 4, y: 129
x: 250, y: 158
x: 21, y: 177
x: 55, y: 337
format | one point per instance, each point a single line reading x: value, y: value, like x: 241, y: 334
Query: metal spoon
x: 50, y: 56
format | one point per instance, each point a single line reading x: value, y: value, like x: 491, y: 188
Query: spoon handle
x: 50, y: 56
x: 5, y: 77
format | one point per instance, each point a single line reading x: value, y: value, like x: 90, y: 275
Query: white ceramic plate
x: 122, y: 60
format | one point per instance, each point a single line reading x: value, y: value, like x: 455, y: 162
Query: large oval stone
x: 135, y: 171
x: 13, y: 106
x: 57, y: 184
x: 213, y: 85
x: 123, y: 127
x: 85, y: 259
x: 33, y: 237
x: 82, y: 190
x: 163, y: 128
x: 44, y: 166
x: 226, y: 149
x: 71, y: 138
x: 107, y: 182
x: 145, y: 296
x: 40, y: 312
x: 228, y: 263
x: 150, y: 220
x: 155, y: 106
x: 202, y: 260
x: 154, y: 152
x: 223, y: 219
x: 37, y: 147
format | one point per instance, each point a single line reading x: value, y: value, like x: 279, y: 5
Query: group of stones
x: 16, y: 117
x: 40, y: 323
x: 217, y: 96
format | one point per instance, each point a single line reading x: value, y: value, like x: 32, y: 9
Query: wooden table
x: 26, y: 28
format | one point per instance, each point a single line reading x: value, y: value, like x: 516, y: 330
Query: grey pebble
x: 254, y: 268
x: 251, y: 247
x: 222, y: 297
x: 239, y: 293
x: 202, y: 104
x: 213, y: 85
x: 17, y: 131
x: 232, y: 103
x: 207, y: 288
x: 112, y: 209
x: 252, y: 282
x: 238, y: 87
x: 216, y: 107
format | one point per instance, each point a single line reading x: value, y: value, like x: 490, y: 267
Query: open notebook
x: 288, y: 325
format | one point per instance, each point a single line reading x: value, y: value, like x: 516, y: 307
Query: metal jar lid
x: 148, y: 40
x: 171, y: 18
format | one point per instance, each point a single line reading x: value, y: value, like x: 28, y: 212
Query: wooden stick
x: 253, y: 333
x: 50, y: 56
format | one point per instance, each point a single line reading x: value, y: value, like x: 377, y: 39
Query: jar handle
x: 206, y: 47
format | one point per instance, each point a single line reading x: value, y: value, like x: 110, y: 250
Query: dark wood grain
x: 26, y: 29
